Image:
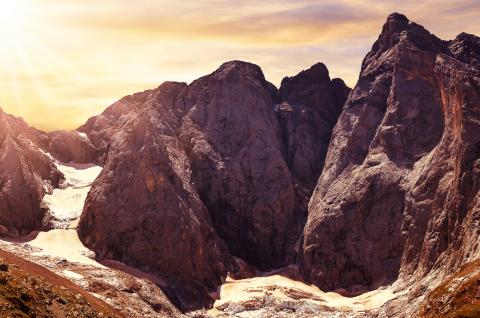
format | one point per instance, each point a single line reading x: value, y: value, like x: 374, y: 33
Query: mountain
x: 26, y: 175
x: 308, y: 106
x: 196, y: 174
x: 398, y: 195
x: 370, y: 189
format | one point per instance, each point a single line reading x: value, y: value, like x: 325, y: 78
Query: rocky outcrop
x: 72, y: 146
x: 194, y: 174
x: 145, y: 191
x: 26, y: 174
x: 398, y: 195
x: 308, y: 106
x: 234, y: 142
x: 466, y: 48
x: 457, y: 296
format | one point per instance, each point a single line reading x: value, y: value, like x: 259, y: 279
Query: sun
x: 12, y: 19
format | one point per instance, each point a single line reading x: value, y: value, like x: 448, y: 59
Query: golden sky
x: 62, y: 61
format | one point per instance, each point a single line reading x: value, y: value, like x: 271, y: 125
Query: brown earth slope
x: 29, y: 290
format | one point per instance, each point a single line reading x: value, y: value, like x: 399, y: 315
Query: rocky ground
x: 28, y: 290
x: 283, y: 293
x: 458, y: 296
x: 134, y: 295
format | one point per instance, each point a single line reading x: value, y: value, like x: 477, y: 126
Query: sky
x: 63, y: 61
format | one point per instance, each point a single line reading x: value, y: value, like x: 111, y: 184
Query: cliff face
x: 308, y: 106
x: 144, y: 211
x: 26, y: 174
x: 233, y: 140
x: 195, y: 174
x: 72, y: 146
x: 398, y: 193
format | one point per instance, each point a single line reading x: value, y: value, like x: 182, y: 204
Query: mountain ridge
x: 362, y: 188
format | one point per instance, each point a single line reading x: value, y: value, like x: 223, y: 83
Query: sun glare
x: 12, y: 19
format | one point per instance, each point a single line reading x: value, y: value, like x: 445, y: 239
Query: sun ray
x: 48, y: 59
x: 27, y: 68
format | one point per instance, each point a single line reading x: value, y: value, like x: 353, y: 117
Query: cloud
x: 76, y: 57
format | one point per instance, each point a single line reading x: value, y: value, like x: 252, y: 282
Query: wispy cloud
x: 80, y: 55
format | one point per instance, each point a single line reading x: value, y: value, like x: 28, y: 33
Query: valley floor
x: 282, y: 293
x: 136, y: 294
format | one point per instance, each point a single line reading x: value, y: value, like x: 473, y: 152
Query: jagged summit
x: 235, y: 68
x: 400, y: 33
x: 466, y: 47
x: 399, y: 30
x: 318, y: 72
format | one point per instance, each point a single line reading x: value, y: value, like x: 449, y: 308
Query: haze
x: 64, y: 61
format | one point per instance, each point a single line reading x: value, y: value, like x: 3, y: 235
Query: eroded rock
x: 398, y: 193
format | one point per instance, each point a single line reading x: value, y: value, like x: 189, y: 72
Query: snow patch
x: 66, y: 203
x: 46, y: 154
x: 83, y: 135
x: 64, y: 244
x: 282, y: 286
x: 71, y: 274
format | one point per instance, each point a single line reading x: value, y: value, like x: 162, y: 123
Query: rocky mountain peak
x: 232, y: 69
x: 398, y: 29
x: 316, y: 74
x: 466, y: 47
x: 221, y: 150
x: 398, y: 190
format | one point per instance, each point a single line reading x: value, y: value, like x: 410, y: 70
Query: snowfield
x: 66, y: 203
x: 284, y: 288
x: 63, y: 244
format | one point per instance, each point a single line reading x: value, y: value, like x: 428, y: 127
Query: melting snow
x: 83, y: 135
x: 65, y: 244
x: 67, y: 202
x: 283, y: 287
x: 72, y: 274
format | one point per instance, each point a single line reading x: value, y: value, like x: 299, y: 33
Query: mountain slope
x: 199, y: 173
x: 26, y: 174
x: 398, y: 195
x: 29, y: 290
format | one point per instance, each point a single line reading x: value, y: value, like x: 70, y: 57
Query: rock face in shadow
x: 398, y: 193
x: 308, y: 106
x: 26, y: 174
x: 195, y: 174
x: 234, y: 142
